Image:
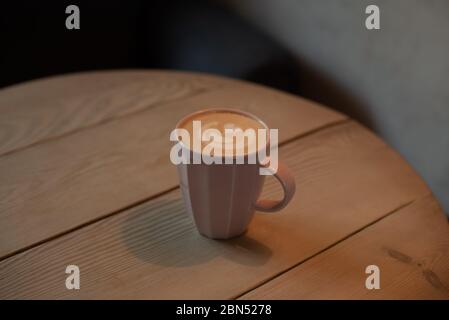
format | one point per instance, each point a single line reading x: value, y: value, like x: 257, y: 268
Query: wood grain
x: 48, y: 108
x: 411, y: 248
x: 346, y: 179
x: 55, y: 186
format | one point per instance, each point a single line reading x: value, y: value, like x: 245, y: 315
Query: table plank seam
x: 151, y: 106
x: 332, y: 245
x: 316, y: 130
x: 161, y: 193
x: 87, y: 223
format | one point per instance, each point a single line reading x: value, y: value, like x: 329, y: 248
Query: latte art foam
x: 226, y: 123
x: 225, y: 136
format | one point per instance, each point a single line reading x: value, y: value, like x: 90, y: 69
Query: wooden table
x: 86, y: 180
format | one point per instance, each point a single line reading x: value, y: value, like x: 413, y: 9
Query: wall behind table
x: 395, y: 80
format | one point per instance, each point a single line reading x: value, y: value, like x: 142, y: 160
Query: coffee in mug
x: 222, y: 195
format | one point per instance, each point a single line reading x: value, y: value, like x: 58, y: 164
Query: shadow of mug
x: 164, y: 234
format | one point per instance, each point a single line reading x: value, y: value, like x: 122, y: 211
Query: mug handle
x: 287, y: 180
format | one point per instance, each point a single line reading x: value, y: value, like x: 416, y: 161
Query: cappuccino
x: 221, y: 129
x: 222, y: 191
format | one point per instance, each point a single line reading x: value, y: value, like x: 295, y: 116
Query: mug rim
x: 230, y: 110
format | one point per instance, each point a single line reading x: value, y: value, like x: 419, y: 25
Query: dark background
x: 182, y: 35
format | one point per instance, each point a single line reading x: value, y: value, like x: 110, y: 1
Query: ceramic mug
x: 222, y: 198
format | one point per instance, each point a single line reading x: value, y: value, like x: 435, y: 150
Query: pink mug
x: 222, y: 198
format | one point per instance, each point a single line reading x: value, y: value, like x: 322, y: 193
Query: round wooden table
x: 86, y: 180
